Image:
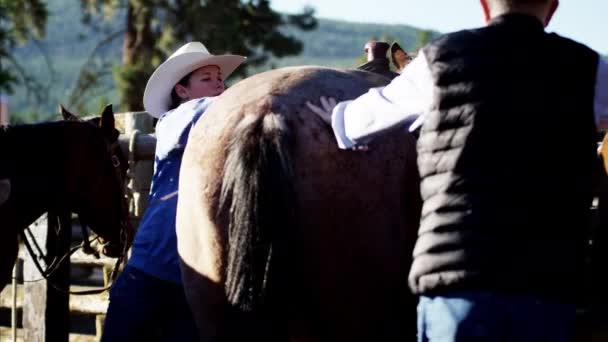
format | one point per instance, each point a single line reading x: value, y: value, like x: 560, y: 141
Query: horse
x: 63, y: 167
x: 283, y: 236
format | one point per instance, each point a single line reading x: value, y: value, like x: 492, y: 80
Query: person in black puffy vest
x: 508, y: 117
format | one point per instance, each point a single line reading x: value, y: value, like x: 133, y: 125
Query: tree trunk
x: 138, y: 50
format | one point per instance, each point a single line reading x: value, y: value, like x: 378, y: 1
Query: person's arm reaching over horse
x: 601, y: 96
x: 358, y: 121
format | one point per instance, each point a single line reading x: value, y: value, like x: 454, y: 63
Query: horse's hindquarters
x: 358, y: 214
x: 343, y: 260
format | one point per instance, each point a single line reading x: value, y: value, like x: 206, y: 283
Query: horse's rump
x: 332, y: 259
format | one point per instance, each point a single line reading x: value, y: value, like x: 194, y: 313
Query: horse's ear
x: 107, y: 118
x: 67, y: 116
x: 107, y: 123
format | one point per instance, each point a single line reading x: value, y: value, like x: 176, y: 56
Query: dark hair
x: 175, y: 99
x: 378, y: 49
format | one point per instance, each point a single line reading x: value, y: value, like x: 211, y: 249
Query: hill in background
x: 57, y: 61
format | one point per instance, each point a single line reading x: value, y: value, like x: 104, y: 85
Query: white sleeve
x: 357, y: 121
x: 171, y: 126
x: 601, y: 96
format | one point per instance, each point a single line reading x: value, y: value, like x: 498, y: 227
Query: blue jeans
x: 146, y: 308
x: 487, y: 316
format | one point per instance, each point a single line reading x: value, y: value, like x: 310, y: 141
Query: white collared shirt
x: 409, y: 95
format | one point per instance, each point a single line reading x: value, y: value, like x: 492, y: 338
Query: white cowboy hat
x: 157, y: 96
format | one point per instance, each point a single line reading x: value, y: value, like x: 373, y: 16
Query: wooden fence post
x: 46, y: 312
x: 5, y: 118
x: 139, y: 123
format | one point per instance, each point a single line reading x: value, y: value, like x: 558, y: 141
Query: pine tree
x: 20, y: 21
x: 154, y: 28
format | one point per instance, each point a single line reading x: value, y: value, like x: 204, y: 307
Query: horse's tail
x: 258, y: 193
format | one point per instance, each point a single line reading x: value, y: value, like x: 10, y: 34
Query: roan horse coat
x: 282, y: 235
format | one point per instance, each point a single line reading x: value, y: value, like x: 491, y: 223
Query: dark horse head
x: 69, y: 166
x: 100, y: 201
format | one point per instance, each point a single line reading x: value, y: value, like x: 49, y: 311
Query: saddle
x: 377, y: 60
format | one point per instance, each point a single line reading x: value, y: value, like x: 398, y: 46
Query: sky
x: 585, y: 21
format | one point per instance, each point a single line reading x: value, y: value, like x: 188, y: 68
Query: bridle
x: 125, y: 228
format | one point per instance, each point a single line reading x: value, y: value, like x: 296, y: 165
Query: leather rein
x: 125, y: 228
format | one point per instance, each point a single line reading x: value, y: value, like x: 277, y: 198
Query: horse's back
x: 356, y: 212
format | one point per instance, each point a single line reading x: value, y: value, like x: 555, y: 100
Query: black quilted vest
x: 507, y: 160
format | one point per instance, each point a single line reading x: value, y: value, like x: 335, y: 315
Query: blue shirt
x: 154, y: 249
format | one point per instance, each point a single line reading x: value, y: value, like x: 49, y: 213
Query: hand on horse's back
x: 325, y: 112
x: 326, y: 109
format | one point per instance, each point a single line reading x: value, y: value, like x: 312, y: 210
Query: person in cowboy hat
x: 400, y: 58
x: 148, y: 295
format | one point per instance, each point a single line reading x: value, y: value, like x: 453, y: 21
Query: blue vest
x: 154, y: 249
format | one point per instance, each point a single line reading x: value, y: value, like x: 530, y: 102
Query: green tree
x: 20, y: 21
x: 424, y: 37
x: 154, y: 28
